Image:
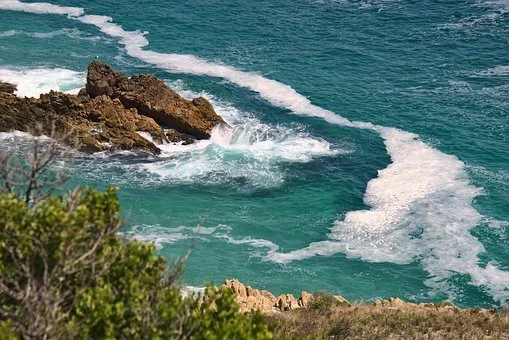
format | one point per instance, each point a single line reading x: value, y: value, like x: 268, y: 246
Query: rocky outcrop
x: 176, y: 137
x: 111, y: 112
x: 154, y: 99
x: 7, y: 88
x: 398, y: 304
x: 262, y: 300
x: 287, y: 302
x: 249, y: 298
x: 99, y: 124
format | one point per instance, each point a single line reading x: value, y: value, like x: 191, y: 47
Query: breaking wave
x: 33, y: 82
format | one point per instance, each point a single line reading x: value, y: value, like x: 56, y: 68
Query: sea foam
x: 495, y: 71
x: 33, y: 82
x: 247, y: 151
x: 40, y: 8
x: 421, y: 204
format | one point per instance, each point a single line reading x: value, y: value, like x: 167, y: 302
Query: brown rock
x: 282, y: 304
x: 286, y: 302
x: 253, y: 302
x: 98, y: 124
x: 83, y: 93
x: 249, y: 298
x: 111, y: 110
x: 236, y: 287
x: 153, y: 98
x: 341, y: 299
x: 7, y: 88
x: 305, y: 299
x: 396, y: 302
x: 176, y: 137
x: 101, y: 79
x: 267, y: 295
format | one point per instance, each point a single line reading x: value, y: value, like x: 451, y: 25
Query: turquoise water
x: 313, y: 189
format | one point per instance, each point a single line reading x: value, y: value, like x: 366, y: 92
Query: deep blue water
x: 295, y: 198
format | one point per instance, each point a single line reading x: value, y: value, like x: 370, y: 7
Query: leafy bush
x: 65, y: 273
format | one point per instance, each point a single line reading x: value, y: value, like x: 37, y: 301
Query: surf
x: 33, y: 82
x: 421, y: 204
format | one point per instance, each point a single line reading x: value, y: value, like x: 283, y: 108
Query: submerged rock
x: 154, y: 99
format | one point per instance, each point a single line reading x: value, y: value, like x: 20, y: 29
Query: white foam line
x: 420, y: 204
x: 495, y: 71
x: 40, y: 8
x: 33, y: 82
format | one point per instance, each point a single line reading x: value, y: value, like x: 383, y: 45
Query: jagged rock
x: 153, y: 98
x: 237, y: 288
x: 267, y: 295
x: 111, y: 110
x: 396, y: 303
x: 286, y: 302
x: 305, y: 299
x: 98, y: 124
x: 392, y: 302
x: 7, y: 88
x: 249, y: 298
x: 341, y: 299
x: 102, y: 80
x: 176, y: 137
x: 83, y: 93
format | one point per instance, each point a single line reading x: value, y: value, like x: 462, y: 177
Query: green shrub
x: 65, y: 273
x: 323, y: 301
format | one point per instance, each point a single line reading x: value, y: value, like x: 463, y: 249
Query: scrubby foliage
x: 407, y: 321
x: 65, y: 273
x: 322, y: 300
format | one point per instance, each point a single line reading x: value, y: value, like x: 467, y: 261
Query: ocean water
x: 369, y: 155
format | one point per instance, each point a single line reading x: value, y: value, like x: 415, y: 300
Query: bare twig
x: 27, y: 167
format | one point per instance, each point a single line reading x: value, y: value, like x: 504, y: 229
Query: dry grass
x: 390, y: 320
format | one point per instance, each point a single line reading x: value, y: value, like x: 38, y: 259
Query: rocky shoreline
x: 249, y: 298
x: 264, y: 301
x: 323, y: 316
x: 111, y: 112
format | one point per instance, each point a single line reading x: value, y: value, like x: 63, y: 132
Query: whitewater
x: 420, y: 205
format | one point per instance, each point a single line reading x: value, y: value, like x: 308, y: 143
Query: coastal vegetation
x: 66, y: 273
x: 392, y: 319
